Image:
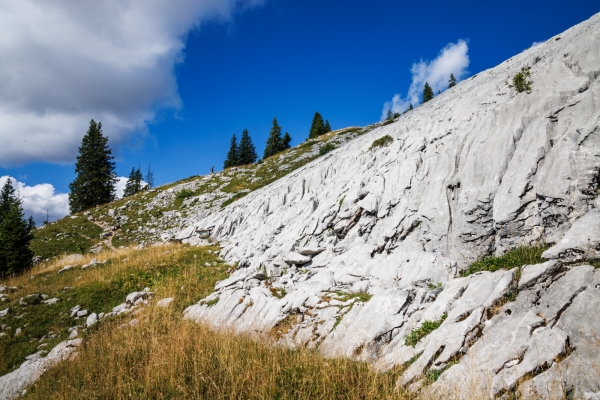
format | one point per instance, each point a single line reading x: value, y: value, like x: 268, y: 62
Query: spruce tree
x: 327, y: 128
x: 130, y: 185
x: 427, y: 93
x: 274, y: 141
x: 138, y: 180
x: 15, y: 233
x: 149, y: 178
x: 452, y: 81
x: 410, y: 107
x: 287, y: 139
x: 95, y: 169
x: 232, y: 154
x: 246, y: 151
x: 390, y: 115
x: 317, y: 128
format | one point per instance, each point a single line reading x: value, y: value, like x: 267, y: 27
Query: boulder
x: 295, y: 258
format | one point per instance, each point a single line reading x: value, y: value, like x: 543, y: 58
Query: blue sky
x: 208, y: 70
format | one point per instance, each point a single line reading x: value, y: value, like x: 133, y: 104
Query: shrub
x: 184, y: 194
x: 381, y: 142
x: 326, y: 148
x: 520, y: 81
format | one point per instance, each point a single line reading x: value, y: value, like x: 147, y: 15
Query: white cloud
x: 65, y: 62
x: 536, y: 43
x: 43, y: 197
x: 453, y: 59
x: 40, y: 198
x: 121, y: 183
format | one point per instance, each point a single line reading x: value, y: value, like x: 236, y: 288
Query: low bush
x: 520, y: 81
x: 381, y: 142
x: 326, y: 148
x: 184, y: 194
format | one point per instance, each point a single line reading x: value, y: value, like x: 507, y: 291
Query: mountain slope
x: 357, y: 250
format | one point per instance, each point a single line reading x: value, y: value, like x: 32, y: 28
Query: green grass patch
x: 66, y: 236
x: 381, y: 142
x: 515, y: 258
x: 425, y: 329
x: 361, y: 296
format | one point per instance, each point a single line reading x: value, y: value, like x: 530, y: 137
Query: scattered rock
x: 165, y: 302
x: 51, y: 301
x: 65, y: 268
x: 92, y: 319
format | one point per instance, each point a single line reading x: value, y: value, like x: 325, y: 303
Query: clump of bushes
x: 184, y: 194
x: 521, y: 81
x: 381, y: 142
x: 326, y: 148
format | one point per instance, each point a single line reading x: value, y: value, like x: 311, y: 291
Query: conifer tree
x: 130, y: 185
x: 317, y: 128
x: 390, y: 115
x: 410, y: 107
x: 138, y: 180
x: 427, y: 93
x: 15, y: 233
x: 232, y: 154
x: 327, y: 127
x: 287, y: 139
x: 149, y: 178
x: 246, y: 150
x: 274, y: 142
x: 95, y: 169
x: 452, y: 81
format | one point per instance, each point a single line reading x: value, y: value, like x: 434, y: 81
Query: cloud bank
x: 65, y: 62
x: 43, y: 197
x: 452, y: 59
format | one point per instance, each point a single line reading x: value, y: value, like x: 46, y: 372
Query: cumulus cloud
x: 65, y: 62
x: 452, y: 59
x: 40, y: 198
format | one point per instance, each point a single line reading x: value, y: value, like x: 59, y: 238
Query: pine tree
x: 138, y: 180
x: 452, y: 81
x: 410, y: 107
x: 246, y: 151
x: 232, y: 154
x: 327, y: 127
x: 317, y: 128
x: 390, y: 115
x: 130, y: 185
x: 15, y: 233
x: 427, y: 93
x: 274, y: 142
x: 287, y: 139
x: 149, y: 178
x: 96, y: 178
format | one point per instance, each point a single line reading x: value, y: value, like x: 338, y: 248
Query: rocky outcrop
x: 14, y: 383
x: 356, y: 250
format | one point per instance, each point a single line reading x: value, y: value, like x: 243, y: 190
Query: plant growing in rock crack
x: 515, y: 258
x: 381, y: 142
x: 278, y: 292
x: 521, y: 81
x: 425, y: 329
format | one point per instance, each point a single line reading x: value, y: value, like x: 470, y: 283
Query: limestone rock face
x: 13, y: 384
x: 363, y: 245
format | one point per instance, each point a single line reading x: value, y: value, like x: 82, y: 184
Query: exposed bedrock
x: 357, y: 249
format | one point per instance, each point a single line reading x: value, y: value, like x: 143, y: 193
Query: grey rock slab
x: 530, y: 274
x: 582, y: 240
x: 51, y: 301
x: 92, y: 319
x: 4, y: 313
x: 164, y: 303
x: 13, y: 384
x: 295, y: 258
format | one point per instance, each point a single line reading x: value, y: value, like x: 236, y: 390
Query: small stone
x: 82, y: 313
x: 51, y: 301
x: 65, y: 268
x: 165, y: 302
x: 18, y: 332
x: 92, y: 319
x: 4, y: 312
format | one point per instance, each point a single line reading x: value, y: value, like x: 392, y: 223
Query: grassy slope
x: 78, y: 235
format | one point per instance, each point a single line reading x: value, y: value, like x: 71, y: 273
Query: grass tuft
x: 515, y: 258
x: 425, y: 329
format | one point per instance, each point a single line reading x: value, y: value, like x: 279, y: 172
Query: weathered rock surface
x: 13, y: 384
x: 480, y: 169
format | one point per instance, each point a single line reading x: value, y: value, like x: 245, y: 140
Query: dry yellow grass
x: 164, y: 357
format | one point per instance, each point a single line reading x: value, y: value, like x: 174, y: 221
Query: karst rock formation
x: 354, y: 251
